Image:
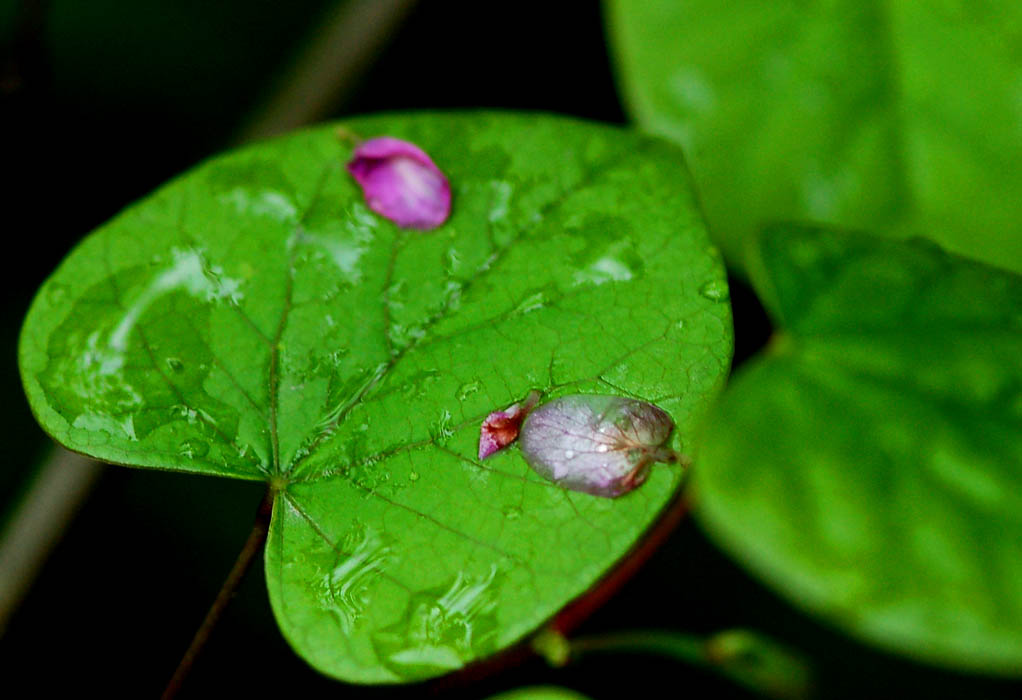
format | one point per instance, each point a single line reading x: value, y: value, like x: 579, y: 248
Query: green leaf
x: 899, y: 117
x: 869, y: 464
x: 254, y: 319
x: 539, y: 692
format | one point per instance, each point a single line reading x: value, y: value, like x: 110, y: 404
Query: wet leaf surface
x: 867, y: 465
x: 254, y: 319
x: 902, y: 118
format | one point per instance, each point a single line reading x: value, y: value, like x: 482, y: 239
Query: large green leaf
x: 869, y: 465
x: 903, y: 117
x: 254, y: 319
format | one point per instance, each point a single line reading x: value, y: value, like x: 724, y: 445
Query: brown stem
x: 329, y: 66
x: 58, y: 489
x: 253, y: 545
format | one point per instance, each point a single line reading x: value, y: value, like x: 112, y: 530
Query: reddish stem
x: 582, y: 607
x: 249, y: 552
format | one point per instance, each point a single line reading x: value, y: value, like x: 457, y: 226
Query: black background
x: 102, y: 104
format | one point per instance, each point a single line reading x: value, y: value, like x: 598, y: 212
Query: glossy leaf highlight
x: 254, y: 319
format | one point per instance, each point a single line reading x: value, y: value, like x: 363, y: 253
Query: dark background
x: 102, y: 100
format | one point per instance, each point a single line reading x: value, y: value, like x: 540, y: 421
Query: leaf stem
x: 742, y: 656
x: 329, y: 65
x: 249, y: 552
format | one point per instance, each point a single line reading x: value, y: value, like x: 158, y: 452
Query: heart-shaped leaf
x: 254, y: 319
x: 899, y: 117
x: 869, y: 466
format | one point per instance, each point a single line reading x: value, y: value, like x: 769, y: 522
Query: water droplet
x: 715, y: 290
x: 396, y: 292
x: 452, y: 295
x: 363, y: 556
x: 442, y: 429
x: 175, y: 365
x: 193, y: 448
x: 605, y: 269
x: 569, y: 454
x: 512, y: 512
x: 419, y: 383
x: 452, y: 262
x: 532, y: 302
x: 466, y: 390
x: 501, y: 199
x: 94, y: 429
x: 413, y: 476
x: 443, y: 629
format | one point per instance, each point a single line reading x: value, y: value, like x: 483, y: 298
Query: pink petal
x: 401, y: 182
x: 500, y: 428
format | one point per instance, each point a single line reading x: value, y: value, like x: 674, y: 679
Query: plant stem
x: 329, y: 65
x: 249, y: 552
x: 53, y: 498
x: 744, y: 657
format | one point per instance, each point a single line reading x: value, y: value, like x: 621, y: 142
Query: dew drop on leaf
x: 443, y: 627
x: 193, y: 447
x: 365, y: 554
x: 602, y: 445
x: 467, y: 389
x: 442, y: 429
x: 715, y: 290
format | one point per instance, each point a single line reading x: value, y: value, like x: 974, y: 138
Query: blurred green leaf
x: 254, y: 319
x: 869, y: 464
x: 899, y: 117
x: 540, y: 692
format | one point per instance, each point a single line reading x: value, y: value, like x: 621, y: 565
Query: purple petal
x: 602, y: 445
x: 401, y: 182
